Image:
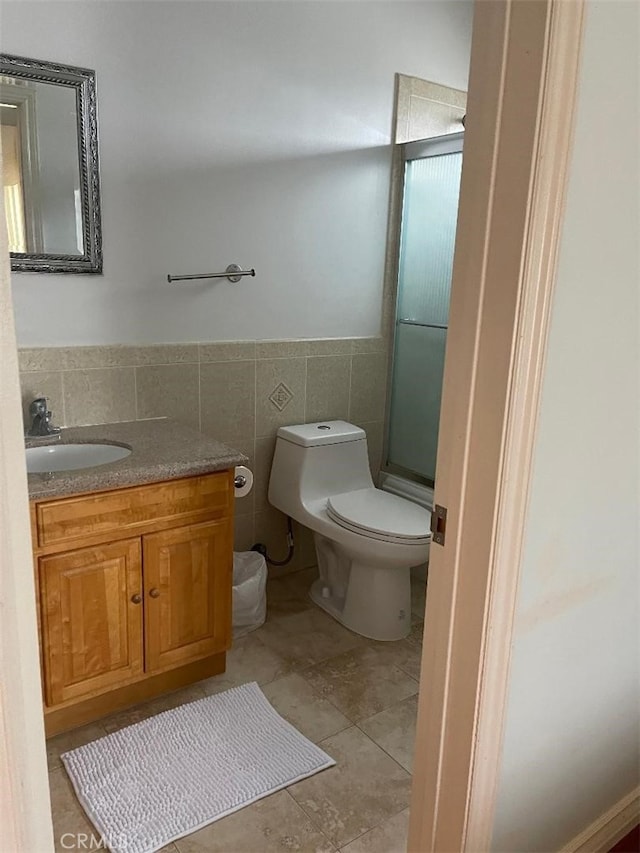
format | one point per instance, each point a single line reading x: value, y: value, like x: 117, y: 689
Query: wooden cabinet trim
x: 121, y: 513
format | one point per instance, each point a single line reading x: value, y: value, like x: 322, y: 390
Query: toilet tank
x: 317, y: 460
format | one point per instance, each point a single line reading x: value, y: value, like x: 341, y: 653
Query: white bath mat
x: 166, y: 777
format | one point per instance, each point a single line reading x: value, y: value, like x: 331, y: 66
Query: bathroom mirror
x: 51, y: 182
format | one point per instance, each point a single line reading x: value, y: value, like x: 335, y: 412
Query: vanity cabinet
x: 134, y: 592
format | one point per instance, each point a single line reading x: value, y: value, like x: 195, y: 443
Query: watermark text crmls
x: 90, y: 841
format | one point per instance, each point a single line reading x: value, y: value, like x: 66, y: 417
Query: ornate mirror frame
x: 84, y: 82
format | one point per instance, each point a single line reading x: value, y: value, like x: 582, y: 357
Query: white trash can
x: 249, y: 592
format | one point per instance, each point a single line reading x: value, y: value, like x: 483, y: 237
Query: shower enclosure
x: 429, y: 214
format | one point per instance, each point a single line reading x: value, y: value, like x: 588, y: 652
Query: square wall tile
x: 43, y: 384
x: 243, y: 536
x: 366, y: 345
x: 375, y: 445
x: 330, y: 346
x: 328, y: 380
x: 305, y: 546
x: 166, y: 354
x: 168, y: 390
x: 280, y: 389
x: 83, y: 358
x: 228, y: 351
x: 271, y: 531
x: 227, y: 399
x: 282, y: 349
x: 368, y: 387
x: 265, y: 448
x: 99, y: 396
x: 41, y: 358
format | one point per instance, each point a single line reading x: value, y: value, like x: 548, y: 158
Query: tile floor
x: 357, y: 698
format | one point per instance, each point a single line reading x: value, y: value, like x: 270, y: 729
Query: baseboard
x: 57, y: 720
x: 605, y: 832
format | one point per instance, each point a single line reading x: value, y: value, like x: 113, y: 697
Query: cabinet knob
x: 137, y: 598
x: 154, y: 593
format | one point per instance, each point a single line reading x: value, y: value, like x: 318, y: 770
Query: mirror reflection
x: 41, y: 193
x: 50, y: 169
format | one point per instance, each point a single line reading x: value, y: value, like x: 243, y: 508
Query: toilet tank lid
x: 323, y: 432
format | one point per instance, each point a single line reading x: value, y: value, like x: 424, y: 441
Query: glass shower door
x: 429, y: 216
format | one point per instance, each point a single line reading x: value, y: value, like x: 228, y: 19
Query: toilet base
x: 372, y: 601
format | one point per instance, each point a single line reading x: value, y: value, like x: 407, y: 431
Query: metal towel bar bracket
x: 233, y: 272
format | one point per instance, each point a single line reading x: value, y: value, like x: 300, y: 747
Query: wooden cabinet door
x: 187, y: 583
x: 91, y: 620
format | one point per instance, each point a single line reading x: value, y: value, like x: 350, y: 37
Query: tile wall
x: 239, y: 392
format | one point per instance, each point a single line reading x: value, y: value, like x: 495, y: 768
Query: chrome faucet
x: 41, y: 420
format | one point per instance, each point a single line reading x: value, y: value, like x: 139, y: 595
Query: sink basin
x: 70, y: 457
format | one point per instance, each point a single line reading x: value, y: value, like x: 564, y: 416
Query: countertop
x: 161, y: 449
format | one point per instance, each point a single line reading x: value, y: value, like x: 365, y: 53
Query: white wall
x: 248, y: 132
x: 572, y: 738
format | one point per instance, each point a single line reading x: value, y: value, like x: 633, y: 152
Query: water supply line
x: 262, y: 549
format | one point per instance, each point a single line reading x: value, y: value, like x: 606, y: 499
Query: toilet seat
x: 381, y: 515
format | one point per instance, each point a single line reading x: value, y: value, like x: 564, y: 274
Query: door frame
x: 25, y: 808
x: 523, y: 79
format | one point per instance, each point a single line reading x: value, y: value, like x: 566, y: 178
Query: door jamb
x: 524, y: 70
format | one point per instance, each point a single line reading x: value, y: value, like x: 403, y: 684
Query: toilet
x: 366, y: 540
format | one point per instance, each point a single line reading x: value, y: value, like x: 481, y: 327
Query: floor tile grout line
x: 328, y: 699
x: 370, y: 828
x: 377, y: 826
x: 408, y: 674
x: 379, y: 745
x: 384, y: 710
x: 369, y: 738
x: 308, y: 816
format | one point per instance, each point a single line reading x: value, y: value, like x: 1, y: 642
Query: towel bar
x: 233, y: 272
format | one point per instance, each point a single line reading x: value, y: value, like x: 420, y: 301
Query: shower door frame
x: 419, y: 149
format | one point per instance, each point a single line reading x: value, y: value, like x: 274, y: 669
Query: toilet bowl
x: 366, y: 540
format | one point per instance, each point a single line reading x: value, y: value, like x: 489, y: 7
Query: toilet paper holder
x: 242, y: 481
